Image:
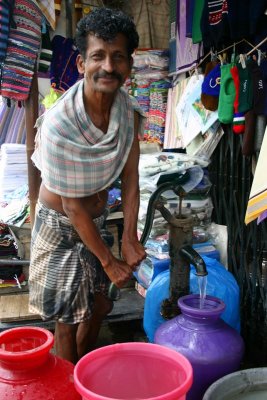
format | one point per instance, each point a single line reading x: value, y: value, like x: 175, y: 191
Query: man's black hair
x: 106, y: 23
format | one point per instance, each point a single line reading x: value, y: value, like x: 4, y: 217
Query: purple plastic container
x: 212, y: 346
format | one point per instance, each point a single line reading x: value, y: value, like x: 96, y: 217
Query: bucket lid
x: 25, y: 346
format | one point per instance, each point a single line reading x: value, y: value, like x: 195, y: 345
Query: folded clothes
x: 152, y: 164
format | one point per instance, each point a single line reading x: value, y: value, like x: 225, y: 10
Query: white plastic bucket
x: 247, y: 384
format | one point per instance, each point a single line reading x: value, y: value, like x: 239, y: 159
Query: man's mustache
x: 104, y: 75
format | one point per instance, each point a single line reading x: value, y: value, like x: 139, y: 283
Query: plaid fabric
x: 64, y: 275
x: 22, y: 50
x: 48, y: 9
x: 151, y: 19
x: 75, y: 158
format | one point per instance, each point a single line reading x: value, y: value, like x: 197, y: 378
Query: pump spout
x: 192, y: 257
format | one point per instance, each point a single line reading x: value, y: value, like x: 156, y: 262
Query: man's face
x: 106, y: 65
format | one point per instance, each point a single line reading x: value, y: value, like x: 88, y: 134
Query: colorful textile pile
x: 157, y: 110
x: 150, y: 86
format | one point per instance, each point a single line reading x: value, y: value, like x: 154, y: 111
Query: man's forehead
x: 119, y: 40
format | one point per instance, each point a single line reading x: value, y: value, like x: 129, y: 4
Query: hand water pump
x: 180, y: 241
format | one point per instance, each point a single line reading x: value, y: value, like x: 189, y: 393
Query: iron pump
x: 180, y: 241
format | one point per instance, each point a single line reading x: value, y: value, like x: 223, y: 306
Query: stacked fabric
x: 150, y: 87
x: 158, y: 107
x: 13, y: 168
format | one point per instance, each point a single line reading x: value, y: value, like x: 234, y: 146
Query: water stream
x: 202, y: 285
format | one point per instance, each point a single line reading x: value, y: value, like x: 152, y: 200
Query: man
x: 84, y: 142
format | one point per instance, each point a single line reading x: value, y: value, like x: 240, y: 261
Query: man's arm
x: 132, y: 250
x: 118, y: 271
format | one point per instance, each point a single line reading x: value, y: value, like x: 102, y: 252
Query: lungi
x: 64, y: 274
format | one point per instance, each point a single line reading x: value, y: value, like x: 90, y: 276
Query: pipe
x: 191, y: 256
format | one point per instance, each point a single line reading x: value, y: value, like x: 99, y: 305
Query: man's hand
x: 132, y: 252
x: 118, y: 271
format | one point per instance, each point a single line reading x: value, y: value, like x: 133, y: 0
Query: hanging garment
x: 63, y: 68
x: 187, y: 53
x: 257, y: 16
x: 227, y: 95
x: 211, y: 86
x: 197, y: 14
x: 239, y: 17
x: 257, y: 203
x: 45, y: 57
x: 6, y: 10
x: 23, y: 45
x: 189, y: 17
x: 214, y: 23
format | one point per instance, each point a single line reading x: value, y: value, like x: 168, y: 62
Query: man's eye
x: 119, y: 57
x: 97, y: 57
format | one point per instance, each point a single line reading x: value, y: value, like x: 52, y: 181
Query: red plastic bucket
x: 133, y: 371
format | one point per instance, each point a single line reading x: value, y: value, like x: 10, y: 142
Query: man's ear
x: 80, y: 64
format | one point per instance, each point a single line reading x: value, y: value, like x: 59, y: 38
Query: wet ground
x: 121, y: 332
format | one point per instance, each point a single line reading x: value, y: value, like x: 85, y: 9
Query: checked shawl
x: 75, y: 158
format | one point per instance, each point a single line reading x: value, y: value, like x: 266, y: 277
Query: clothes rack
x: 254, y: 47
